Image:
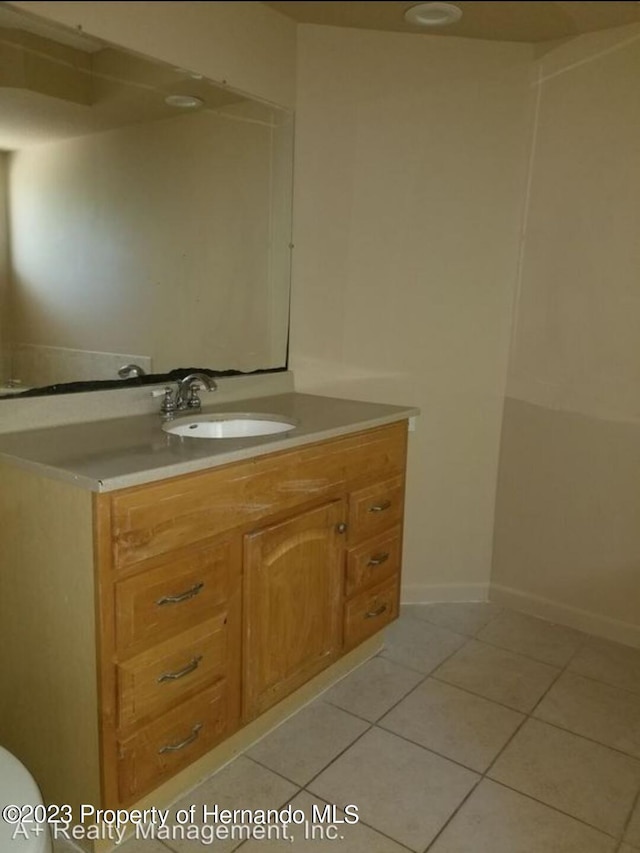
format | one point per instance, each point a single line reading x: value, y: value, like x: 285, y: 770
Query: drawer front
x: 373, y: 561
x: 155, y: 680
x: 161, y: 749
x: 375, y: 509
x: 151, y: 520
x: 162, y: 602
x: 370, y: 611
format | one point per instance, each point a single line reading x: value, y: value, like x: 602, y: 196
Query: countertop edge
x: 152, y: 475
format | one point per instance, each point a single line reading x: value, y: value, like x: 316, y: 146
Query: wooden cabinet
x: 224, y: 591
x: 216, y: 595
x: 292, y: 603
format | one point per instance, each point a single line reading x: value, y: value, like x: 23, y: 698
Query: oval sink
x: 229, y: 425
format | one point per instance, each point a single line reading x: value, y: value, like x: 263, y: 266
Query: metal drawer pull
x: 373, y: 613
x: 174, y: 747
x: 380, y: 507
x: 379, y: 559
x: 183, y: 596
x: 174, y: 676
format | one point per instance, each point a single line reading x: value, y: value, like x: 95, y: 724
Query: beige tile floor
x: 476, y: 730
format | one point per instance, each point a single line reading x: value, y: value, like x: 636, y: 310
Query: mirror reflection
x: 144, y: 215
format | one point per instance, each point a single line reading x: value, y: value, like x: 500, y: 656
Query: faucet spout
x: 188, y: 387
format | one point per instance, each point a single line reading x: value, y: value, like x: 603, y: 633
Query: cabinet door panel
x: 293, y: 599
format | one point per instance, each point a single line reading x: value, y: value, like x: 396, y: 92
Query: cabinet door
x: 293, y: 600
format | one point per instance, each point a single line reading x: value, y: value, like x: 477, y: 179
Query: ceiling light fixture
x: 433, y: 14
x: 184, y: 102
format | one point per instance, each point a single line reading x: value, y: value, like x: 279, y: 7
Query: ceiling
x: 497, y: 21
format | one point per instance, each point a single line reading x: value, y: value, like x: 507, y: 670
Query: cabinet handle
x: 174, y: 747
x: 380, y: 507
x: 174, y: 676
x: 341, y: 528
x: 373, y: 613
x: 183, y: 596
x: 379, y: 559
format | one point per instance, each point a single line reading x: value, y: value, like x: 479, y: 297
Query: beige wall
x: 4, y: 271
x: 153, y: 239
x: 247, y: 45
x: 567, y: 538
x: 410, y: 154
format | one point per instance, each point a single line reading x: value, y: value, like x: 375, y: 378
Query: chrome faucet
x: 187, y: 391
x: 186, y: 394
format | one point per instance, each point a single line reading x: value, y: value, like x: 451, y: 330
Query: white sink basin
x: 229, y: 425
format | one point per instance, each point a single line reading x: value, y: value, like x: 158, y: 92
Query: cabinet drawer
x: 373, y: 561
x: 153, y: 681
x: 368, y: 612
x: 170, y: 743
x: 161, y: 602
x: 375, y: 508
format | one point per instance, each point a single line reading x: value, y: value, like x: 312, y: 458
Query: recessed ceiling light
x: 184, y: 102
x: 433, y: 14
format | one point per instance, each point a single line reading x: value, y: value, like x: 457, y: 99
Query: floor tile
x: 594, y: 710
x: 526, y: 635
x: 402, y: 790
x: 243, y: 784
x: 497, y: 820
x: 419, y: 645
x: 354, y: 838
x: 464, y: 617
x: 303, y: 745
x: 373, y: 688
x: 632, y: 835
x: 503, y: 676
x: 141, y: 846
x: 584, y: 779
x: 454, y: 723
x: 62, y: 846
x: 609, y: 662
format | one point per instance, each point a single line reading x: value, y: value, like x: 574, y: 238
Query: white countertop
x: 115, y: 454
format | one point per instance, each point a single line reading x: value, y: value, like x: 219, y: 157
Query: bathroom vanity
x: 162, y: 595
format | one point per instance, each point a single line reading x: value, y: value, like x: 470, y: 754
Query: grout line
x: 360, y: 821
x: 625, y: 829
x: 553, y: 808
x: 271, y: 770
x: 560, y: 666
x: 587, y: 738
x: 526, y: 716
x: 465, y: 642
x: 283, y: 804
x: 471, y: 692
x: 452, y: 816
x: 634, y: 694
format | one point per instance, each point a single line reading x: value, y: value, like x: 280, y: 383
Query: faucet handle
x: 168, y: 405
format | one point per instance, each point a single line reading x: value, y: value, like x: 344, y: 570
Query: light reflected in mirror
x: 133, y: 231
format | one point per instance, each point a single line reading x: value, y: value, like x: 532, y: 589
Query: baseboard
x: 432, y: 593
x: 565, y: 614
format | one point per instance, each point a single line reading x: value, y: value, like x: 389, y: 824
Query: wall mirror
x: 145, y: 215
